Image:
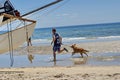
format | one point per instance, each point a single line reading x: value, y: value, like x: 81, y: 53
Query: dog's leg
x: 73, y: 53
x: 81, y: 55
x: 85, y: 54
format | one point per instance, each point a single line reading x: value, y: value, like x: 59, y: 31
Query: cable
x: 57, y: 7
x: 12, y: 59
x: 26, y: 30
x: 52, y: 9
x: 47, y: 13
x: 10, y: 43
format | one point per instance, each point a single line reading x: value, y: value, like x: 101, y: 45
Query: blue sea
x: 79, y: 33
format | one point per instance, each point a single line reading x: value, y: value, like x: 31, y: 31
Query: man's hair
x: 54, y: 29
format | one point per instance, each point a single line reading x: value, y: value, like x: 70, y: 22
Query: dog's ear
x: 74, y: 44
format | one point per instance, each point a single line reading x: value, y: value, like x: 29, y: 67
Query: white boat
x: 13, y: 35
x: 17, y: 36
x: 1, y: 19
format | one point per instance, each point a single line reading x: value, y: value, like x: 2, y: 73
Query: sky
x: 71, y: 12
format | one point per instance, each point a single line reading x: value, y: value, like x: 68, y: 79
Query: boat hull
x: 14, y: 38
x: 1, y: 19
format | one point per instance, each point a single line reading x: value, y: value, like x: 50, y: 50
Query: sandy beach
x: 62, y: 73
x: 69, y: 72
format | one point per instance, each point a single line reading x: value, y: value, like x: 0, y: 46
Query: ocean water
x: 79, y: 33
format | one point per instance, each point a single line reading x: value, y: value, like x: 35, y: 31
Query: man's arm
x: 53, y: 40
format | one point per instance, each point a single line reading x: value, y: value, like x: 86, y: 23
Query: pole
x: 45, y: 6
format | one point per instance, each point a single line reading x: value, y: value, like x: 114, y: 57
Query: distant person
x: 57, y: 41
x: 29, y: 42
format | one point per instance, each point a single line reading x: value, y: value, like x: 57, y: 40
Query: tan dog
x: 78, y: 50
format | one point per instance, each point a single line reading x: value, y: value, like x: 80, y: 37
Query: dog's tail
x: 86, y: 51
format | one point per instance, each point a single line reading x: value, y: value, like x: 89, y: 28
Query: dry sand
x: 61, y: 73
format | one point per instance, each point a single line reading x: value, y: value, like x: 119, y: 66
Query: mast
x: 45, y: 6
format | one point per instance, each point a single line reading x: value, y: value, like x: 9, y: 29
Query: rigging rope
x: 59, y: 6
x: 48, y: 12
x: 30, y: 56
x: 27, y: 37
x: 10, y: 43
x: 26, y: 30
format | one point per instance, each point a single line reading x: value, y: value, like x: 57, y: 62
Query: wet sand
x: 92, y: 47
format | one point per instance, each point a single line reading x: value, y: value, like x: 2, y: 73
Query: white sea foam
x: 91, y: 38
x: 109, y: 37
x: 75, y: 39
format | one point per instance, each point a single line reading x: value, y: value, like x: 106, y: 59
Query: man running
x: 57, y: 40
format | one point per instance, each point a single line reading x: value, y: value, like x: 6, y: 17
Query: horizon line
x: 80, y: 25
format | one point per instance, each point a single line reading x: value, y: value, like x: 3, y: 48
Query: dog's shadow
x: 78, y: 60
x: 77, y: 57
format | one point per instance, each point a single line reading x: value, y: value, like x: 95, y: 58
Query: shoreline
x: 92, y: 47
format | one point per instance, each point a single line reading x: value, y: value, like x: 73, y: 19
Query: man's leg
x: 60, y: 51
x: 54, y: 52
x: 54, y: 55
x: 64, y: 49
